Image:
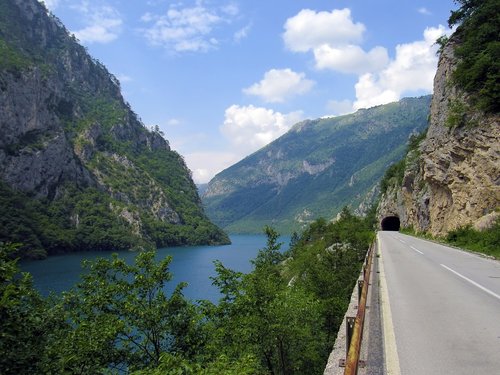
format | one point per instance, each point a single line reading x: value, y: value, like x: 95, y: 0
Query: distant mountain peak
x: 315, y: 169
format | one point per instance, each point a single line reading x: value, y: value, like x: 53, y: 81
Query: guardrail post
x: 360, y: 289
x: 349, y: 331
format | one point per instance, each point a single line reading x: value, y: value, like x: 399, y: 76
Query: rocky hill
x: 452, y: 179
x: 78, y: 169
x: 315, y: 169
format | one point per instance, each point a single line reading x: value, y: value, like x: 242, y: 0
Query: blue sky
x: 224, y: 78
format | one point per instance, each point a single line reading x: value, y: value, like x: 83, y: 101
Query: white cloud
x: 350, y: 58
x: 187, y: 29
x: 173, y: 122
x: 104, y: 23
x: 249, y: 128
x: 206, y: 165
x: 230, y: 9
x: 334, y: 39
x: 340, y: 107
x: 279, y: 84
x: 424, y: 11
x: 411, y: 71
x: 309, y: 29
x: 371, y: 92
x: 242, y: 33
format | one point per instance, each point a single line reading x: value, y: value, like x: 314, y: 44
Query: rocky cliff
x: 74, y: 153
x: 453, y: 178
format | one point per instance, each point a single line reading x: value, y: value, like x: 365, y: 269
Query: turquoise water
x: 193, y: 265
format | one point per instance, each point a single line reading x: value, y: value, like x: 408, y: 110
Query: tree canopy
x: 281, y: 318
x: 478, y: 50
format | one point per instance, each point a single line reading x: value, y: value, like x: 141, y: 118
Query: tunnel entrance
x: 390, y: 223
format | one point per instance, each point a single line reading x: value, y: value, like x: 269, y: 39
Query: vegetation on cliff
x: 281, y: 318
x: 447, y: 187
x: 315, y: 169
x: 478, y: 50
x: 394, y: 175
x: 78, y: 169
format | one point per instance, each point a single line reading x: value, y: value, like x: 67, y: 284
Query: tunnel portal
x: 390, y: 223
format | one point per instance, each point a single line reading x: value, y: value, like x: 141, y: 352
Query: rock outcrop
x: 67, y: 133
x: 453, y: 179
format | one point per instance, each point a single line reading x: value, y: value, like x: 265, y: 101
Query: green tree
x: 467, y: 8
x: 478, y: 50
x: 265, y: 316
x: 123, y: 319
x: 28, y: 322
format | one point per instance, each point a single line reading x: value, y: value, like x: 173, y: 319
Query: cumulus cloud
x: 104, y: 23
x: 187, y: 29
x: 249, y: 128
x: 202, y: 170
x: 279, y: 84
x: 350, y: 58
x: 334, y: 39
x: 309, y: 29
x: 340, y: 107
x: 411, y: 71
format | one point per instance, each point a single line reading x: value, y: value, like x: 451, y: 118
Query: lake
x: 193, y: 265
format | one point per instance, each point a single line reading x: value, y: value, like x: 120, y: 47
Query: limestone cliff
x: 76, y: 156
x: 453, y: 178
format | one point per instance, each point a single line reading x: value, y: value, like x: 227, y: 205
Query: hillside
x: 315, y: 169
x: 78, y: 169
x: 451, y: 179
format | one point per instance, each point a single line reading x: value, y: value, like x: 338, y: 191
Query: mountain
x: 451, y: 179
x: 78, y: 169
x: 315, y: 169
x: 202, y: 188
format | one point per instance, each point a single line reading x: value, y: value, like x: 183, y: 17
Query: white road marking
x: 417, y: 250
x: 473, y: 282
x: 390, y: 348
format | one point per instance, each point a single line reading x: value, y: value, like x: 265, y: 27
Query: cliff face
x: 453, y: 180
x: 315, y: 169
x: 66, y: 133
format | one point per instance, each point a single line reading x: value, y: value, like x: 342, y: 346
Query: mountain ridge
x: 85, y: 170
x: 313, y: 170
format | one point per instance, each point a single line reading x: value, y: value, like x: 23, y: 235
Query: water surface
x: 193, y: 265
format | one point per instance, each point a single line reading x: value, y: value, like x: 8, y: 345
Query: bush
x: 486, y: 242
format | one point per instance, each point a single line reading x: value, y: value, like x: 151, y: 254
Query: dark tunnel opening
x: 390, y: 223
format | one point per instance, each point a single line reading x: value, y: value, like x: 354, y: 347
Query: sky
x: 223, y: 78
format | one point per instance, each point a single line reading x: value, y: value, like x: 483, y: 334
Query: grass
x: 485, y: 242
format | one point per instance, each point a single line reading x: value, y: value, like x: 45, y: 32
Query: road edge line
x: 477, y: 285
x: 390, y: 348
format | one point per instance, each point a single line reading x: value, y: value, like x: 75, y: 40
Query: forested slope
x: 78, y: 169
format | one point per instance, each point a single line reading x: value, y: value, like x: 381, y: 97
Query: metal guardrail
x: 354, y: 326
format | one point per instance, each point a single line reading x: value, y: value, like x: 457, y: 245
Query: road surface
x: 440, y: 307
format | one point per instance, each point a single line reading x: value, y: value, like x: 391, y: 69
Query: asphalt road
x: 445, y: 308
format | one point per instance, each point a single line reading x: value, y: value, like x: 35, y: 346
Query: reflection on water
x: 191, y: 264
